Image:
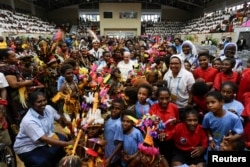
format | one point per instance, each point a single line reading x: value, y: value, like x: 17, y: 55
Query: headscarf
x: 192, y: 47
x: 182, y: 64
x: 180, y: 58
x: 230, y: 44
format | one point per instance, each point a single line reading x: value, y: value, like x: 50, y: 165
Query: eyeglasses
x: 174, y: 64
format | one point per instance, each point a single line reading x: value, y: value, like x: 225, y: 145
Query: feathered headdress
x: 45, y: 49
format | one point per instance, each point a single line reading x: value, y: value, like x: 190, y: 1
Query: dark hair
x: 204, y: 52
x: 216, y: 59
x: 178, y: 39
x: 131, y: 92
x: 4, y: 53
x: 70, y: 161
x: 128, y: 113
x: 34, y: 95
x: 161, y: 89
x: 199, y: 89
x: 239, y: 145
x: 119, y: 100
x: 190, y: 111
x: 231, y: 84
x: 217, y: 95
x: 186, y: 61
x: 173, y: 48
x: 160, y: 83
x: 146, y: 86
x: 70, y: 61
x: 65, y: 67
x: 231, y: 60
x: 105, y: 52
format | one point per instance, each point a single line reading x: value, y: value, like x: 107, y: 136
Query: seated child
x: 190, y: 141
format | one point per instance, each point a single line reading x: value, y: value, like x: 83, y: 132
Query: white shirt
x: 97, y: 54
x: 180, y: 86
x: 125, y: 68
x: 3, y: 81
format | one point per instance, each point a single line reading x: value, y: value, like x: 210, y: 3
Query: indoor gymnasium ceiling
x: 146, y: 4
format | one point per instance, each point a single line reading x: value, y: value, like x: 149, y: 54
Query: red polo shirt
x: 244, y: 84
x: 222, y: 77
x: 169, y: 113
x: 207, y: 74
x: 185, y: 140
x: 246, y: 135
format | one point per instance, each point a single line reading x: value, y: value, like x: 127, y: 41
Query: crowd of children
x: 136, y: 101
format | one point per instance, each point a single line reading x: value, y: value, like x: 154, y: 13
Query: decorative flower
x: 85, y: 106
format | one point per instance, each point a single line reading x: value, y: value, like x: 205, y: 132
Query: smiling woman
x: 36, y: 143
x: 180, y: 82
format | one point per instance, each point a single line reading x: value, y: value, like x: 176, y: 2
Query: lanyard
x: 96, y: 53
x: 177, y: 86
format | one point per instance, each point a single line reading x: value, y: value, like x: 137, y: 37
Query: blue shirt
x: 151, y: 102
x: 141, y: 109
x: 61, y: 80
x: 178, y: 49
x: 235, y: 105
x: 33, y: 127
x: 220, y: 126
x: 113, y: 133
x: 131, y: 141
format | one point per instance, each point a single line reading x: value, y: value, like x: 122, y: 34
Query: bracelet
x: 210, y: 138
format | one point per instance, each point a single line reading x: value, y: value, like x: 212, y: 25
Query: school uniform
x: 165, y: 146
x: 207, y: 74
x: 185, y: 141
x: 222, y: 77
x: 244, y: 84
x: 220, y: 126
x: 113, y: 133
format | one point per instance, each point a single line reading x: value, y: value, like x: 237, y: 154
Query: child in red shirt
x: 226, y: 74
x: 199, y: 91
x: 167, y: 112
x: 190, y: 141
x: 244, y: 84
x: 205, y: 73
x: 216, y: 63
x: 246, y: 115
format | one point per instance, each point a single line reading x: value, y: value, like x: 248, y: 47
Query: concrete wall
x: 116, y: 25
x: 63, y: 15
